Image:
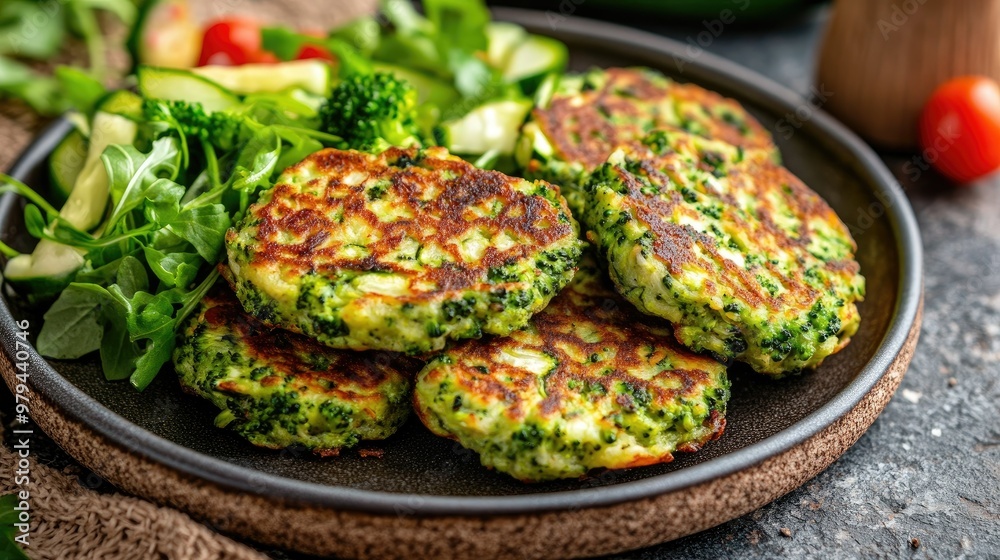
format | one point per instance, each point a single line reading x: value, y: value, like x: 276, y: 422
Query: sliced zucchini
x: 492, y: 127
x: 171, y: 84
x: 165, y: 34
x: 429, y: 89
x: 503, y: 37
x: 313, y: 75
x: 123, y: 103
x: 533, y: 59
x: 52, y: 266
x: 65, y: 164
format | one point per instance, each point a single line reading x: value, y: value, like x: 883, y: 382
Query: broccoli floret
x: 191, y: 119
x: 371, y: 110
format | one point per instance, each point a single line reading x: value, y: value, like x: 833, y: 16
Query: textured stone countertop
x: 928, y: 471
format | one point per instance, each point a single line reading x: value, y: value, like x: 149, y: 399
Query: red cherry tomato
x: 313, y: 51
x: 960, y: 128
x: 264, y: 57
x: 230, y: 42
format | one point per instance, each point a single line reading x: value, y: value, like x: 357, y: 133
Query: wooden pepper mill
x: 881, y: 59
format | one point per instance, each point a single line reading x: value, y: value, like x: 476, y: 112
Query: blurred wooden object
x: 883, y: 58
x: 308, y: 14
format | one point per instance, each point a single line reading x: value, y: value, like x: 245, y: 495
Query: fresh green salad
x: 131, y: 230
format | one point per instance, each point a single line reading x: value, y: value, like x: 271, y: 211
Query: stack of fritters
x: 701, y: 238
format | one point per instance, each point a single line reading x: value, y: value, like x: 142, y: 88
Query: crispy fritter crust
x: 597, y: 112
x: 401, y: 250
x: 279, y: 389
x: 589, y: 383
x: 744, y: 259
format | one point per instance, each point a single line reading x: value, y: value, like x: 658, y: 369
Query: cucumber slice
x: 123, y: 103
x: 51, y: 266
x: 170, y: 84
x: 534, y: 59
x: 44, y: 273
x: 502, y: 37
x: 313, y: 75
x: 65, y: 164
x: 165, y: 34
x: 493, y: 126
x: 429, y: 89
x: 85, y: 206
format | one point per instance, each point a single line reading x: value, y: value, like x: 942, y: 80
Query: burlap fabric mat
x: 70, y: 521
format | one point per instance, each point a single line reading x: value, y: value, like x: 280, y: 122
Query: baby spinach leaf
x: 72, y: 327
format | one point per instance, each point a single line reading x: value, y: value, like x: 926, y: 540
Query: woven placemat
x: 69, y: 520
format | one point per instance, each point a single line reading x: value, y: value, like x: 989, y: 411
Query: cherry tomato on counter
x: 960, y: 128
x: 230, y: 42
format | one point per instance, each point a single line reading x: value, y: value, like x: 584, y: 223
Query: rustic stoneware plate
x: 427, y: 497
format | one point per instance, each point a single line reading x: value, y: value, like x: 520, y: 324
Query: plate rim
x: 704, y: 67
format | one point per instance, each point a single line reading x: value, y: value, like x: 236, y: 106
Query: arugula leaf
x: 173, y: 269
x: 257, y: 160
x: 154, y: 320
x: 163, y: 199
x: 131, y: 173
x: 204, y: 227
x: 71, y: 328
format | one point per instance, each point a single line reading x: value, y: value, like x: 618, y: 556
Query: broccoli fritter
x: 589, y: 383
x: 279, y: 389
x: 737, y: 253
x: 371, y: 110
x: 594, y: 113
x: 401, y: 251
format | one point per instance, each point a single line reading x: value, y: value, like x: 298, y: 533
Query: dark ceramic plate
x: 170, y: 432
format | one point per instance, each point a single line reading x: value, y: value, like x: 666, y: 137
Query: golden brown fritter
x: 593, y: 114
x: 589, y: 383
x: 278, y: 388
x: 401, y: 250
x: 744, y: 259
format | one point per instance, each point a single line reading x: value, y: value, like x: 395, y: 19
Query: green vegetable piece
x: 366, y: 110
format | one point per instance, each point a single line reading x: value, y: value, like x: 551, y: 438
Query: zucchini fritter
x: 593, y: 114
x: 737, y: 253
x: 279, y: 389
x: 589, y: 383
x: 401, y: 250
